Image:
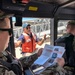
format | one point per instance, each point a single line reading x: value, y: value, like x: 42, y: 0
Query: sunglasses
x: 28, y: 27
x: 9, y: 31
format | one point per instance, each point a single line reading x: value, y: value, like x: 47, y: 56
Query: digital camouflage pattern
x: 9, y: 67
x: 3, y: 69
x: 58, y: 70
x: 54, y: 70
x: 28, y: 61
x: 16, y: 67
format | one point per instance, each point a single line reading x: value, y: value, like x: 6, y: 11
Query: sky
x: 24, y: 19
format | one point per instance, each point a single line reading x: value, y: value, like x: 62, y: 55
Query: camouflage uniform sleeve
x: 4, y: 71
x: 54, y: 70
x: 28, y: 61
x: 9, y: 72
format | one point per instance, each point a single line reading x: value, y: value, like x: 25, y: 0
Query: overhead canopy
x: 63, y: 9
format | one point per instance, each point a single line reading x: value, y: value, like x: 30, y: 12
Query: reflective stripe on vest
x: 30, y: 43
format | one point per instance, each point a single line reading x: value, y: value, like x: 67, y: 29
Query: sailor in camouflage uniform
x: 68, y: 68
x: 4, y: 40
x: 9, y: 65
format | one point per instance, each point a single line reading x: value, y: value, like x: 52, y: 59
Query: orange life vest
x: 30, y: 43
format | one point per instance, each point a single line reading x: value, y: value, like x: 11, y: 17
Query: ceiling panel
x: 40, y: 8
x: 52, y: 1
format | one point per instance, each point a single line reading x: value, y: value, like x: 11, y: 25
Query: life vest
x: 30, y: 43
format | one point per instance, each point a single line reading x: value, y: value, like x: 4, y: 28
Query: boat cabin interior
x: 55, y: 9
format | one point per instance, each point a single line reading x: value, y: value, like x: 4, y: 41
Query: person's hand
x: 40, y: 52
x: 44, y: 36
x: 60, y: 61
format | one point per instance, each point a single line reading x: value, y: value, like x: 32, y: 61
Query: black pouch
x: 16, y: 67
x: 72, y: 60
